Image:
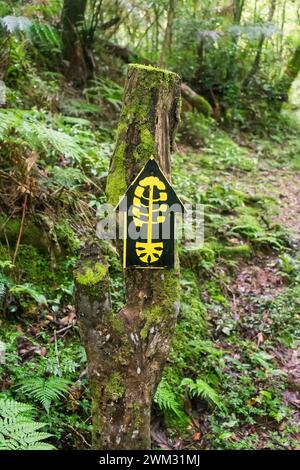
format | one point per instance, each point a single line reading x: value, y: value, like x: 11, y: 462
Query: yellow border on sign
x: 125, y: 221
x: 125, y: 240
x: 139, y: 173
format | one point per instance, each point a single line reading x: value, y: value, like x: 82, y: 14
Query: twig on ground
x: 21, y: 228
x: 79, y: 435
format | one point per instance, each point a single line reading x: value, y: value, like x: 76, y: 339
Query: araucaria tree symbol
x: 148, y: 209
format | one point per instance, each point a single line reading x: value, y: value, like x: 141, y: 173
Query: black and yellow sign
x: 149, y: 208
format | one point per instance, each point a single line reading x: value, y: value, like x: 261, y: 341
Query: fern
x: 8, y: 119
x: 15, y: 23
x: 37, y: 134
x: 202, y: 389
x: 44, y: 391
x: 42, y: 35
x: 45, y: 37
x: 111, y: 91
x: 28, y: 289
x: 254, y: 31
x: 166, y: 398
x: 18, y: 431
x: 67, y: 177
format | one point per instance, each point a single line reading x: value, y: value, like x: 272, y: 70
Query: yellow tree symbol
x: 150, y: 191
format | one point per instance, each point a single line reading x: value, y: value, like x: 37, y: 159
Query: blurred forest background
x: 232, y: 379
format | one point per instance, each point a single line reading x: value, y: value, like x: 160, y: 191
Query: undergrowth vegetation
x: 229, y: 382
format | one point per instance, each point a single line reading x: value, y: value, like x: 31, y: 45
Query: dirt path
x: 257, y: 282
x: 261, y: 277
x: 284, y: 186
x: 289, y: 194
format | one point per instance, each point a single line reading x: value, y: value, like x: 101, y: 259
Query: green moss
x: 214, y: 290
x: 125, y: 352
x: 113, y: 387
x: 151, y: 68
x: 169, y: 293
x: 66, y: 237
x: 91, y: 275
x: 193, y: 314
x: 154, y: 76
x: 139, y: 416
x: 152, y: 315
x: 146, y: 148
x: 137, y: 112
x: 165, y: 299
x: 203, y: 106
x: 243, y: 251
x: 125, y: 349
x: 36, y: 269
x: 116, y: 323
x: 200, y: 258
x: 116, y: 180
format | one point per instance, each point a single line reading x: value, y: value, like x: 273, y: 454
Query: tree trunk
x: 195, y: 100
x: 291, y: 72
x: 238, y: 10
x: 73, y: 52
x: 127, y: 351
x: 255, y: 66
x: 167, y: 42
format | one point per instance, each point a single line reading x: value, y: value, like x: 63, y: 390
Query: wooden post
x: 127, y: 351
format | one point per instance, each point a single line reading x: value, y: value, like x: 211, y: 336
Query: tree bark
x: 291, y: 72
x: 127, y: 350
x: 73, y: 51
x: 195, y: 100
x: 238, y: 10
x: 167, y: 42
x: 255, y: 66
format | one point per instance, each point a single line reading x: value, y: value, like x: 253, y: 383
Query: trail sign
x: 149, y: 208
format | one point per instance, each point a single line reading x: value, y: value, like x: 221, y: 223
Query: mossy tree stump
x: 127, y: 350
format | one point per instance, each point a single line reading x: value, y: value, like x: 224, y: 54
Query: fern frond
x: 40, y: 135
x: 8, y: 119
x: 166, y: 399
x: 29, y: 290
x: 40, y: 446
x: 15, y: 23
x: 17, y: 429
x: 45, y: 37
x: 37, y: 134
x: 10, y: 409
x: 44, y: 391
x: 202, y: 389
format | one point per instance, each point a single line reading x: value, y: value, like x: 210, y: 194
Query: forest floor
x: 256, y: 285
x: 233, y: 377
x: 262, y: 278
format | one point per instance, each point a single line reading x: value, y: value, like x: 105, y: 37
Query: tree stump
x: 127, y: 350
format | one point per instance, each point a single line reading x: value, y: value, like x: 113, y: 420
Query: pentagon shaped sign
x: 149, y: 208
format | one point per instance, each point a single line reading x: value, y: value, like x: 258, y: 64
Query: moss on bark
x: 127, y: 351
